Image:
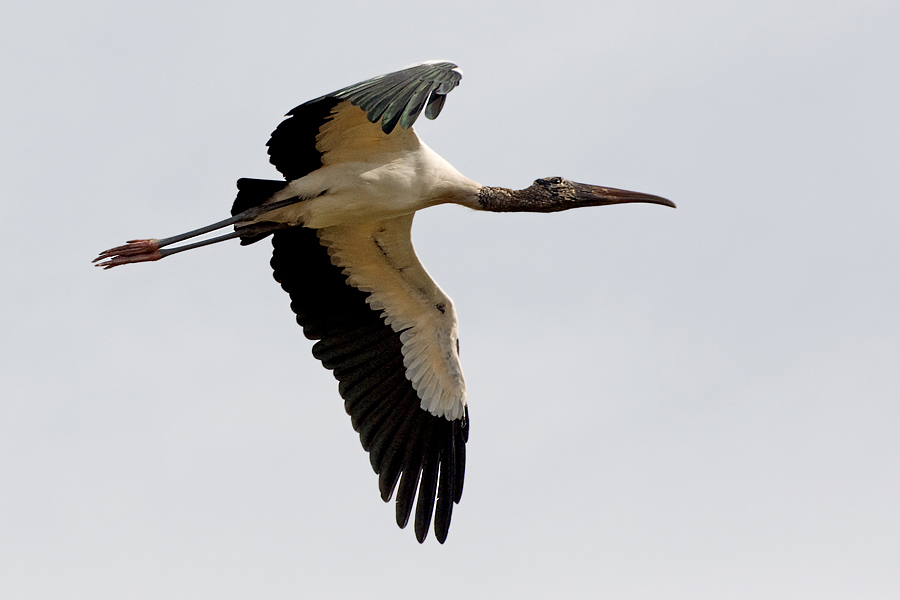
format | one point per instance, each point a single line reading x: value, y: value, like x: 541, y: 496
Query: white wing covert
x: 420, y: 454
x: 378, y: 258
x: 383, y: 327
x: 392, y: 99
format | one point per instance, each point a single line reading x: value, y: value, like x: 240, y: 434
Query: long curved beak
x: 596, y: 195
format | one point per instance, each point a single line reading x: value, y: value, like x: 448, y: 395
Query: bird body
x: 355, y: 175
x: 371, y: 177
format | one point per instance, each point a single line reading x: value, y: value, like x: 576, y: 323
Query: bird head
x: 571, y: 194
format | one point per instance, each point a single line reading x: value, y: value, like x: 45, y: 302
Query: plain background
x: 691, y: 403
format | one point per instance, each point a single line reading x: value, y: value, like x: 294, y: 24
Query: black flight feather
x: 410, y: 448
x: 397, y: 97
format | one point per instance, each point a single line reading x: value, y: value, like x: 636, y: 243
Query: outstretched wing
x: 389, y: 334
x: 393, y: 99
x: 400, y: 96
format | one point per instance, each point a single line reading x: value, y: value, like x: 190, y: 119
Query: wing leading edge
x: 396, y: 98
x: 410, y: 448
x: 383, y: 326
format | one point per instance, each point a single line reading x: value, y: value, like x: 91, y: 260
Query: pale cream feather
x: 349, y: 136
x: 378, y: 258
x: 367, y: 175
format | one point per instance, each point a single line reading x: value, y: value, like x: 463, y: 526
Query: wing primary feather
x: 389, y: 470
x: 377, y: 87
x: 388, y: 449
x: 398, y: 106
x: 375, y: 95
x: 364, y: 369
x: 386, y: 432
x: 412, y: 466
x: 361, y: 336
x: 460, y: 433
x: 419, y: 457
x: 362, y: 342
x: 364, y: 381
x: 406, y: 495
x: 427, y: 488
x: 435, y: 104
x: 387, y: 481
x: 367, y: 411
x: 378, y: 415
x: 447, y: 86
x: 361, y: 404
x: 414, y: 107
x: 446, y: 488
x: 464, y: 426
x: 349, y: 361
x: 366, y: 90
x: 378, y: 98
x: 292, y: 146
x: 319, y: 328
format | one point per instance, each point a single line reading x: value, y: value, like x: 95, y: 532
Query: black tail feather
x: 251, y: 193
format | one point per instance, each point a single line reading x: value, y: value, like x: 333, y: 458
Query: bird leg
x: 135, y: 251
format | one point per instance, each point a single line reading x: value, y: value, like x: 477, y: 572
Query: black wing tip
x: 418, y: 456
x: 437, y: 473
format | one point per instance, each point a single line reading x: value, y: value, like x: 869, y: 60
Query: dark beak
x: 595, y: 195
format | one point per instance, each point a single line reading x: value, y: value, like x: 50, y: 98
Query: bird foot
x: 134, y: 251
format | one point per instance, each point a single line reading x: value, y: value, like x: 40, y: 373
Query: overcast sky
x: 692, y: 403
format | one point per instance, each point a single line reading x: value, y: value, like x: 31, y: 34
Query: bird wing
x: 393, y: 99
x: 389, y: 334
x: 399, y: 97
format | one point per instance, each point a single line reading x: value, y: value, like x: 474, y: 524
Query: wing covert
x: 396, y: 98
x: 410, y: 448
x: 378, y: 258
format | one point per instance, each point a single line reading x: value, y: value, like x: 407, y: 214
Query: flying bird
x: 355, y: 174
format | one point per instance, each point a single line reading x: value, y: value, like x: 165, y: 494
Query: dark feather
x: 409, y: 480
x: 427, y: 485
x: 387, y: 451
x: 397, y: 97
x: 409, y: 447
x: 353, y: 390
x: 379, y: 420
x: 251, y: 193
x: 292, y: 147
x: 435, y: 104
x: 444, y: 507
x: 461, y: 435
x: 360, y: 341
x: 369, y: 407
x: 394, y: 98
x: 379, y: 367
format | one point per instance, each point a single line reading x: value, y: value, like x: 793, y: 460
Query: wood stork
x: 356, y: 173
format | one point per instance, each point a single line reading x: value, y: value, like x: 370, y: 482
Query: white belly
x: 351, y: 193
x: 367, y: 194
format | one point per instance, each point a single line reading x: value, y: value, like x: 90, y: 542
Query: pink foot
x: 134, y: 251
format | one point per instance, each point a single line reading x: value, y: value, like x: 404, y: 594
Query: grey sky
x: 700, y: 403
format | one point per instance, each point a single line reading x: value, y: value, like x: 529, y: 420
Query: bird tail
x: 251, y: 193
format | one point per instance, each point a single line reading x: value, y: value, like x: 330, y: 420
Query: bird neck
x: 534, y: 198
x: 554, y: 194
